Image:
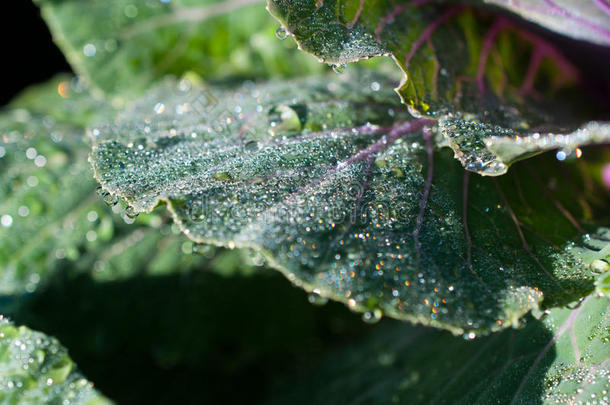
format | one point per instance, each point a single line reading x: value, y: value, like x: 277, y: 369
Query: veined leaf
x: 500, y: 93
x: 561, y: 359
x: 36, y: 369
x: 52, y: 222
x: 124, y: 45
x: 584, y: 20
x: 332, y: 182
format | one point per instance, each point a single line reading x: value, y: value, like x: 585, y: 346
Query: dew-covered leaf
x: 53, y: 223
x: 486, y: 81
x: 584, y: 20
x: 561, y: 359
x: 122, y: 46
x: 36, y: 369
x: 334, y: 183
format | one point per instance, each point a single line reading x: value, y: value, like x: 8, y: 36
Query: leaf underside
x: 585, y: 20
x: 562, y: 359
x: 499, y: 92
x: 334, y: 183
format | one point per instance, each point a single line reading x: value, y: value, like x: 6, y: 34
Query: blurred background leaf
x: 35, y: 368
x: 561, y: 359
x: 124, y: 45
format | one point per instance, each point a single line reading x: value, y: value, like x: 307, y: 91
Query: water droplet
x: 338, y: 68
x: 256, y: 257
x: 89, y: 50
x: 202, y: 250
x: 316, y: 299
x: 283, y: 118
x: 31, y: 153
x: 252, y: 146
x: 131, y: 212
x: 372, y: 316
x: 108, y: 198
x: 281, y: 33
x: 6, y: 220
x: 469, y: 335
x: 159, y: 108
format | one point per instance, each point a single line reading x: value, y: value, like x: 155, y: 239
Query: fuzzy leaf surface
x: 334, y: 183
x: 499, y: 92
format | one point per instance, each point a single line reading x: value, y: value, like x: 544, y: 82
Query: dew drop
x: 283, y: 118
x: 316, y: 299
x: 256, y: 257
x: 202, y: 250
x: 372, y: 316
x: 338, y: 68
x: 108, y: 198
x: 6, y: 220
x: 281, y: 33
x: 131, y: 212
x: 251, y: 146
x: 89, y: 50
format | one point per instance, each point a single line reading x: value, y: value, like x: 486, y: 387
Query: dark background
x: 29, y: 55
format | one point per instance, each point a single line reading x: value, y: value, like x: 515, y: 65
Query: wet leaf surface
x: 343, y: 191
x: 499, y: 92
x: 53, y: 222
x: 35, y: 368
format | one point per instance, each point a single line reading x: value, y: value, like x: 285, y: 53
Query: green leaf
x: 561, y: 359
x: 584, y: 20
x: 332, y: 182
x: 123, y: 45
x: 499, y: 92
x: 35, y: 368
x: 52, y: 221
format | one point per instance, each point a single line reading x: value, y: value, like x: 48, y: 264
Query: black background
x: 28, y: 53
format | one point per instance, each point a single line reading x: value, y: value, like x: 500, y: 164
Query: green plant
x: 437, y: 206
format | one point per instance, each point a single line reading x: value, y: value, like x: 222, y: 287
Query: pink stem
x: 499, y: 25
x: 388, y: 18
x: 532, y: 69
x: 425, y: 35
x: 358, y: 12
